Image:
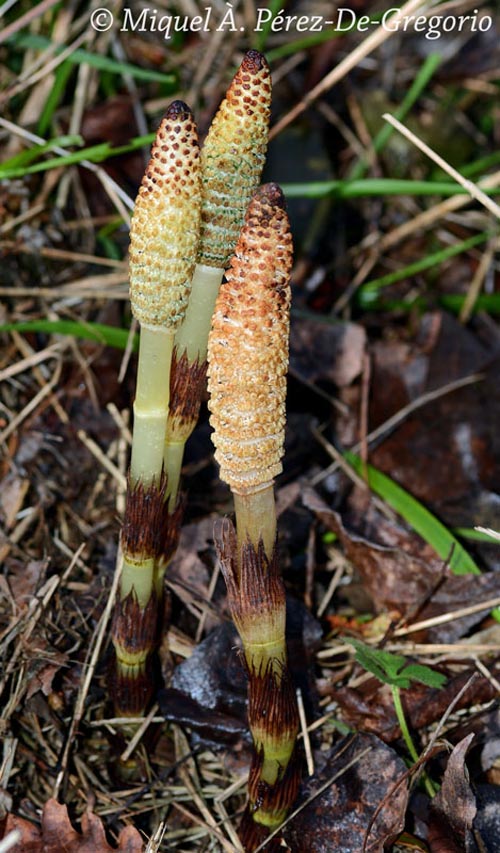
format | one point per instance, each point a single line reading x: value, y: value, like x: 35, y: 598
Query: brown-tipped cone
x: 233, y: 157
x: 248, y: 348
x: 166, y: 222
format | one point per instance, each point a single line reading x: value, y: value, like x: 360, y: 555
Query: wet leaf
x: 188, y: 575
x: 366, y: 803
x: 395, y: 579
x: 345, y: 344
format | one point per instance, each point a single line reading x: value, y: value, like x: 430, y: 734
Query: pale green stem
x: 174, y: 455
x: 137, y: 576
x: 192, y: 338
x: 400, y: 714
x: 256, y: 519
x: 192, y: 335
x: 151, y: 404
x: 150, y: 413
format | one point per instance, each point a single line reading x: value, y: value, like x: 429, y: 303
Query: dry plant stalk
x: 248, y: 362
x: 163, y: 244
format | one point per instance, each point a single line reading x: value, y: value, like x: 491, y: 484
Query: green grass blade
x: 445, y: 544
x: 94, y: 154
x: 488, y: 302
x: 376, y: 187
x: 477, y: 167
x: 61, y: 77
x: 108, y: 335
x: 452, y: 302
x: 265, y: 27
x: 368, y: 292
x: 103, y: 63
x: 475, y: 535
x: 423, y: 77
x: 20, y: 162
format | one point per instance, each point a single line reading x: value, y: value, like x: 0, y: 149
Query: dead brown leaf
x: 321, y: 351
x: 57, y: 834
x: 454, y: 807
x: 408, y: 577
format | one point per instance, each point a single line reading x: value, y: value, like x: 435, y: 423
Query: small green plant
x: 395, y: 671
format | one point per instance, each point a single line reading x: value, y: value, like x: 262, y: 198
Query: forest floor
x: 392, y: 448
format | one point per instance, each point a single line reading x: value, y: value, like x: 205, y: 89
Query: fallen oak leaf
x: 57, y: 834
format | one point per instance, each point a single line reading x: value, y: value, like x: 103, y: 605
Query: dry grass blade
x: 491, y: 603
x: 91, y: 663
x: 27, y: 18
x: 35, y: 358
x: 373, y: 41
x: 10, y: 841
x: 471, y: 188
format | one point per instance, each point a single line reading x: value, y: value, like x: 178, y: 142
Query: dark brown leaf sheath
x: 257, y: 601
x: 149, y: 531
x: 187, y: 383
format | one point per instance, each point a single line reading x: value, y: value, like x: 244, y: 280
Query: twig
x: 10, y: 841
x: 442, y: 722
x: 363, y: 412
x: 439, y: 211
x: 145, y: 723
x: 26, y: 19
x: 477, y: 282
x: 487, y: 674
x: 32, y: 405
x: 43, y: 72
x: 332, y: 586
x: 101, y: 457
x: 30, y: 361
